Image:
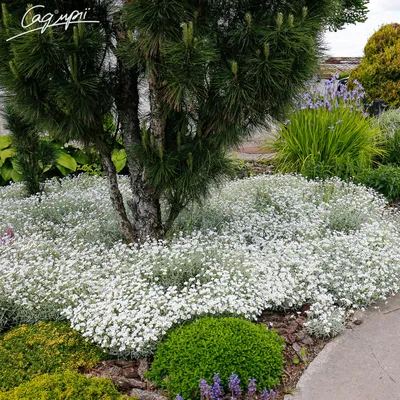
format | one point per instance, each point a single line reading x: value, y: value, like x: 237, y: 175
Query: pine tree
x: 185, y: 80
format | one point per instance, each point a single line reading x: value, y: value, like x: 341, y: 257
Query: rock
x: 357, y: 322
x: 292, y: 328
x: 143, y: 367
x: 278, y: 325
x: 296, y: 347
x: 300, y: 335
x: 124, y: 363
x: 145, y: 395
x: 130, y: 373
x: 127, y: 384
x: 358, y: 315
x: 301, y: 351
x: 308, y: 340
x: 111, y: 370
x: 301, y: 321
x: 290, y: 338
x: 275, y: 318
x: 122, y: 373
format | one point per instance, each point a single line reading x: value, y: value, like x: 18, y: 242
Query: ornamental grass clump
x: 328, y: 134
x: 47, y: 347
x: 195, y: 351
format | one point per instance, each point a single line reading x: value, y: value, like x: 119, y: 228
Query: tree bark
x: 157, y: 118
x: 117, y: 199
x: 145, y: 204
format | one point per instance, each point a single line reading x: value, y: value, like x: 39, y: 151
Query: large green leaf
x: 64, y: 171
x: 5, y: 154
x: 119, y: 159
x: 15, y: 176
x: 16, y: 167
x: 80, y: 157
x: 7, y: 171
x: 66, y: 161
x: 5, y: 141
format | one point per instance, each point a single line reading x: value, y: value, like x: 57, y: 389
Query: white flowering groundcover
x: 271, y: 242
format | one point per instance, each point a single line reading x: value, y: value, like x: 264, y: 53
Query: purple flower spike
x: 234, y: 386
x: 216, y: 390
x: 252, y: 389
x: 205, y: 389
x: 179, y: 397
x: 267, y: 395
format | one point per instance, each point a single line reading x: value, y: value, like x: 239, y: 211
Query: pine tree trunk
x: 157, y: 119
x: 117, y: 199
x: 145, y: 204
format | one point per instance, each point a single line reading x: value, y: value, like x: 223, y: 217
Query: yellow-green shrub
x: 379, y: 71
x: 47, y: 347
x: 68, y: 385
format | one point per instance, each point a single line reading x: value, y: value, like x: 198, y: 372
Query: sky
x: 350, y: 42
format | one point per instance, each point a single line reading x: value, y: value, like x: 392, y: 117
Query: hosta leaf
x: 119, y: 159
x: 63, y: 170
x: 5, y: 141
x: 6, y: 171
x: 66, y: 161
x: 16, y: 167
x: 80, y: 157
x: 15, y: 176
x: 6, y: 154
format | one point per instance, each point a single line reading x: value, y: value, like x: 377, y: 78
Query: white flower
x: 273, y: 242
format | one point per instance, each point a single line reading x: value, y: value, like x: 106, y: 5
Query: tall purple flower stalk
x: 205, y: 390
x: 234, y: 386
x: 216, y: 392
x: 267, y: 395
x: 332, y: 95
x: 251, y: 390
x: 216, y: 389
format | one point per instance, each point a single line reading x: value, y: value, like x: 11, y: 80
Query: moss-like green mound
x: 225, y: 346
x: 47, y: 347
x: 67, y: 385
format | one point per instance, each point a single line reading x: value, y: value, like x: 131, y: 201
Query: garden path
x: 363, y: 363
x: 251, y: 150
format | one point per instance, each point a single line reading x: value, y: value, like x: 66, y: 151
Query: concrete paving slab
x: 363, y: 363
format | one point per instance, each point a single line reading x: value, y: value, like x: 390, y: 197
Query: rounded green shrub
x: 226, y: 345
x: 68, y: 385
x: 379, y: 71
x: 47, y: 347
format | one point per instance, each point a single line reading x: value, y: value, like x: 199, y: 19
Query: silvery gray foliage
x: 270, y: 242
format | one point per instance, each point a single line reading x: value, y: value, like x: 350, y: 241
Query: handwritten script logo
x: 49, y: 20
